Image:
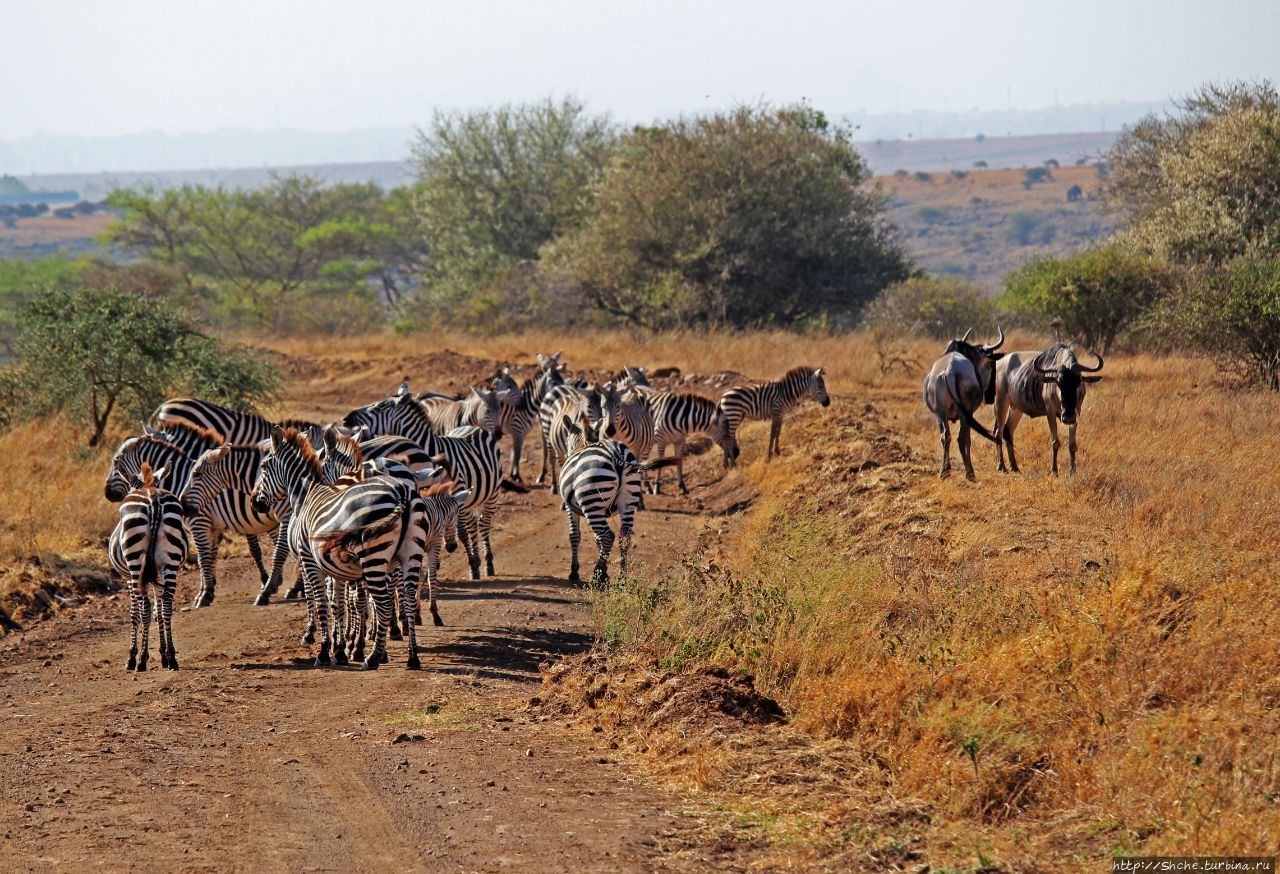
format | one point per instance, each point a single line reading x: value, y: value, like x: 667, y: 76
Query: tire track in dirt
x: 248, y: 760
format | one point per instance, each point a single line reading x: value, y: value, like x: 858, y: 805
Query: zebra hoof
x: 309, y: 638
x: 371, y: 663
x: 574, y: 577
x: 340, y: 656
x: 417, y: 618
x: 142, y: 666
x: 173, y: 663
x: 132, y: 664
x: 475, y: 572
x: 436, y: 620
x: 384, y: 658
x: 414, y: 664
x: 263, y: 599
x: 394, y: 633
x: 489, y: 571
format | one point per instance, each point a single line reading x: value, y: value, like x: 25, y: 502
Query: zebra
x: 352, y: 532
x: 627, y: 419
x: 146, y: 548
x: 676, y: 416
x: 600, y: 477
x: 772, y: 400
x: 521, y: 409
x: 216, y: 499
x: 126, y: 465
x: 549, y: 412
x: 236, y: 427
x: 566, y: 404
x: 474, y: 459
x: 481, y: 408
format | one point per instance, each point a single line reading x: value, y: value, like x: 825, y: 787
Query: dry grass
x: 1054, y: 670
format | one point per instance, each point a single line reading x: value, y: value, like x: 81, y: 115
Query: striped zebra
x: 772, y: 400
x: 549, y: 413
x: 146, y: 548
x: 126, y: 465
x: 628, y: 419
x: 481, y: 408
x: 474, y: 460
x: 216, y: 499
x: 567, y: 405
x: 600, y: 478
x: 355, y: 533
x: 236, y: 427
x: 676, y: 417
x: 521, y: 411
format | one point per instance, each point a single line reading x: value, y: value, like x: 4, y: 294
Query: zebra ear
x: 463, y: 496
x: 542, y: 360
x: 158, y: 474
x: 330, y: 438
x: 818, y: 372
x: 277, y: 436
x: 567, y: 423
x: 404, y: 388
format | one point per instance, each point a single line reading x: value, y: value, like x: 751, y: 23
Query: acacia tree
x: 94, y: 353
x: 756, y: 216
x: 495, y: 185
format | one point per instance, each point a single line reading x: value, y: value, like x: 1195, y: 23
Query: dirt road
x: 247, y: 759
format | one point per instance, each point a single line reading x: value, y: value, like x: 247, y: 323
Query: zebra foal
x: 772, y: 400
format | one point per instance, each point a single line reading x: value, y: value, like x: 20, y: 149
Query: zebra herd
x: 366, y: 504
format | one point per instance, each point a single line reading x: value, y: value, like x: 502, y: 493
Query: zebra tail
x: 327, y: 543
x: 509, y: 485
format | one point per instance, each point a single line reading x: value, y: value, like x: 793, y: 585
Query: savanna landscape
x: 835, y: 659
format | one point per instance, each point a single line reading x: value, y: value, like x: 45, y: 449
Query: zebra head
x: 209, y: 476
x: 490, y: 403
x: 581, y: 433
x: 126, y: 464
x: 818, y: 388
x: 290, y: 467
x: 721, y: 431
x: 341, y: 454
x: 610, y: 408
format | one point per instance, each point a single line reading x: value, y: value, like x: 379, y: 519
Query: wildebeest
x: 957, y: 384
x: 1048, y: 383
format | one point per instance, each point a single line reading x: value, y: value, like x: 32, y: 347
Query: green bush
x: 493, y: 187
x: 753, y: 217
x: 95, y: 353
x: 1028, y: 228
x: 1232, y: 315
x: 940, y: 308
x: 1098, y: 294
x: 21, y: 279
x: 930, y: 215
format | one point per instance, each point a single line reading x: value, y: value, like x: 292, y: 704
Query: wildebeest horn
x: 1050, y: 372
x: 1082, y: 369
x: 966, y: 335
x: 997, y: 344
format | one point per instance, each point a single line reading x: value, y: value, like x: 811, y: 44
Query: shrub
x: 1098, y: 294
x: 940, y: 308
x: 94, y: 353
x: 922, y: 176
x: 757, y: 216
x: 1232, y: 314
x: 1033, y: 175
x: 980, y: 165
x: 1026, y: 228
x: 930, y: 215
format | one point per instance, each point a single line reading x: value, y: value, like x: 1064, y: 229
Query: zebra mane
x: 443, y: 488
x: 802, y: 371
x: 212, y: 436
x: 302, y: 443
x: 349, y: 445
x: 148, y: 476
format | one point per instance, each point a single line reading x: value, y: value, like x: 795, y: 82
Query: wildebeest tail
x: 655, y: 463
x: 965, y: 415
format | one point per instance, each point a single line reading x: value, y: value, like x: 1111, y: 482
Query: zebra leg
x: 469, y: 533
x: 604, y: 540
x: 657, y: 474
x: 486, y: 525
x: 626, y: 519
x: 339, y: 599
x: 145, y: 607
x: 135, y: 617
x: 360, y: 619
x: 398, y: 617
x: 775, y: 432
x: 680, y: 453
x: 170, y: 579
x: 433, y: 568
x: 517, y: 449
x: 318, y: 610
x: 546, y: 442
x: 255, y: 550
x: 206, y: 539
x: 279, y: 552
x: 409, y: 597
x: 575, y: 537
x: 375, y: 579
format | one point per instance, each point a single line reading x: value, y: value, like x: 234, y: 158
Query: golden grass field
x: 1035, y: 672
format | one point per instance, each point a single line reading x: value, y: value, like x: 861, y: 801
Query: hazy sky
x: 93, y: 67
